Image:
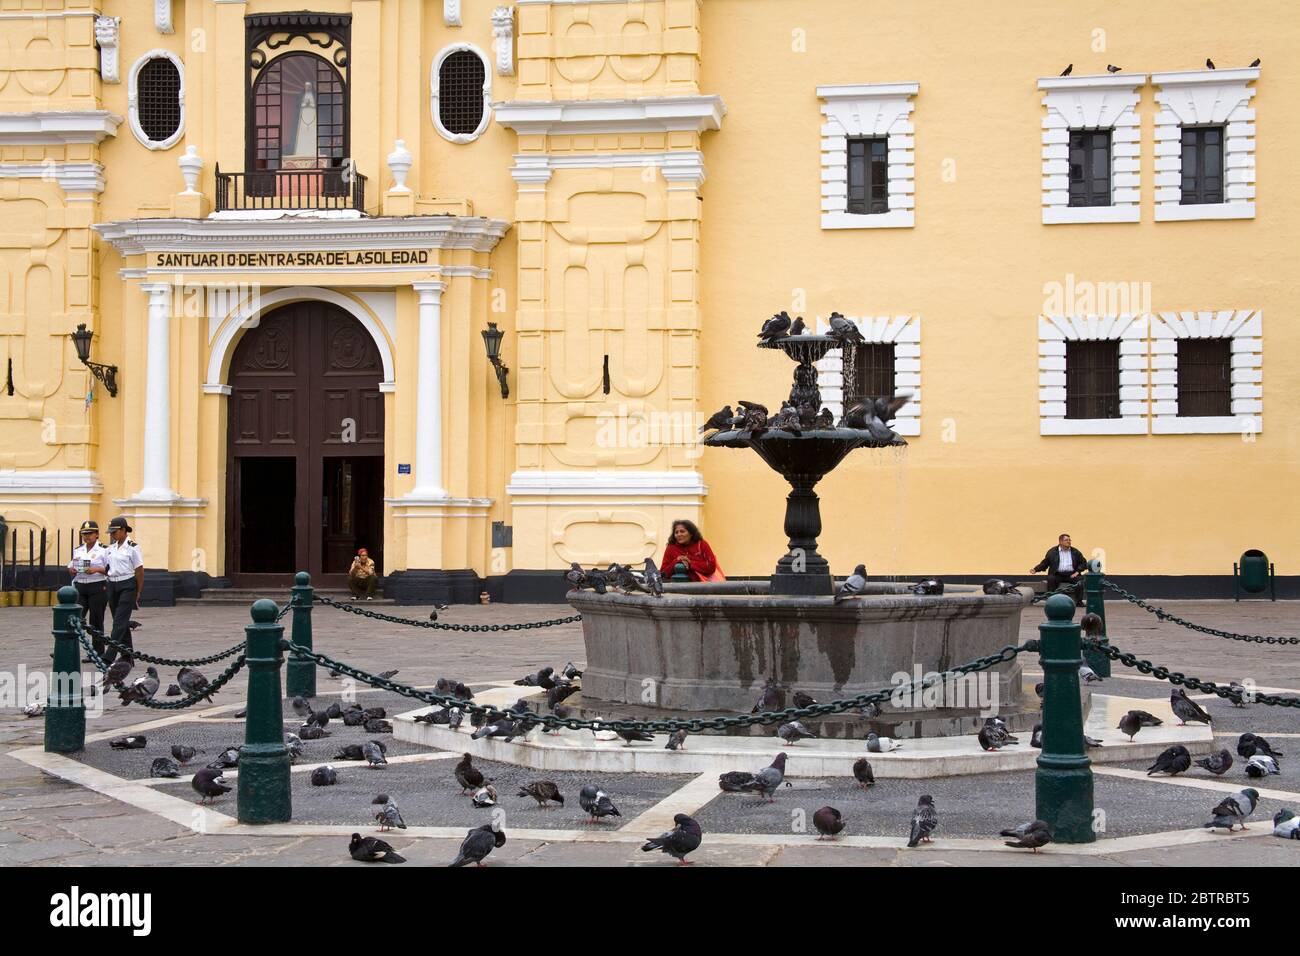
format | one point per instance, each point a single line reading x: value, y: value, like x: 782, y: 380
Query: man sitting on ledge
x: 361, y: 576
x: 1063, y: 565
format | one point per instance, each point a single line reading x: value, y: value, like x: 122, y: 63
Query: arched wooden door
x: 305, y: 448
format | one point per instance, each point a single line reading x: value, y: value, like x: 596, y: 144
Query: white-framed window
x: 893, y: 343
x: 460, y: 98
x: 1207, y: 373
x: 1205, y: 144
x: 156, y: 99
x: 1092, y: 374
x: 867, y: 156
x: 1091, y: 148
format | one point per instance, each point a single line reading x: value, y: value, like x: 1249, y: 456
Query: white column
x: 157, y: 395
x: 428, y: 411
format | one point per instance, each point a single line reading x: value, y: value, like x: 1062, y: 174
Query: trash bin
x: 1253, y: 574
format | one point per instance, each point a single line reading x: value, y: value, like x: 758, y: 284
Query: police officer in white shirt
x: 125, y: 582
x: 89, y: 570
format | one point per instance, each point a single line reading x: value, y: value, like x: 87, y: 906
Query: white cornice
x: 649, y: 114
x: 1121, y: 80
x: 139, y: 236
x: 606, y: 483
x: 860, y: 91
x: 49, y: 483
x: 1187, y: 77
x: 677, y: 165
x: 57, y: 127
x: 73, y: 177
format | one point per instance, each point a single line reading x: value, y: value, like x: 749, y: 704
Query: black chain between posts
x: 1068, y: 589
x: 695, y: 725
x: 1178, y: 678
x: 164, y: 661
x: 283, y: 611
x: 1164, y: 615
x: 435, y: 626
x: 190, y: 701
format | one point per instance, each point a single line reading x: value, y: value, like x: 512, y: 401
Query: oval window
x: 460, y: 93
x: 158, y: 99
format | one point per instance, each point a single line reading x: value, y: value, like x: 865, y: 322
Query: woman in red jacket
x: 689, y: 547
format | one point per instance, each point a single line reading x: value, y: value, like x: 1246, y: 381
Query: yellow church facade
x: 288, y: 230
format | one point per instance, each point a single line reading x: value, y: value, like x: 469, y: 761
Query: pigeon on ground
x: 535, y: 680
x: 559, y: 693
x: 164, y: 767
x: 319, y: 719
x: 999, y: 586
x: 1088, y: 675
x: 1148, y: 720
x: 1173, y: 760
x: 1091, y: 741
x: 1130, y: 724
x: 1241, y: 694
x: 209, y: 784
x: 676, y: 740
x: 870, y: 711
x: 484, y: 797
x: 241, y: 713
x: 312, y: 732
x: 389, y: 817
x: 924, y: 821
x: 374, y: 713
x: 927, y: 587
x: 571, y: 671
x: 1029, y: 836
x: 564, y: 712
x: 828, y: 822
x: 372, y: 850
x: 682, y: 839
x: 631, y: 735
x: 767, y: 780
x: 862, y: 773
x: 776, y: 327
x: 131, y: 742
x: 1038, y: 689
x: 1261, y: 765
x: 440, y: 716
x: 325, y: 776
x: 718, y: 420
x: 173, y: 690
x: 794, y: 731
x: 142, y: 688
x: 1091, y: 624
x: 467, y: 775
x: 1250, y: 744
x: 1218, y: 764
x: 803, y: 700
x: 881, y: 745
x: 350, y: 752
x: 1233, y: 809
x: 293, y: 744
x: 193, y: 683
x: 1036, y: 737
x: 1185, y: 708
x: 117, y: 672
x: 769, y: 700
x: 853, y: 584
x: 654, y: 581
x: 734, y: 781
x: 596, y: 803
x: 354, y: 717
x: 384, y: 675
x: 184, y: 753
x: 542, y: 791
x: 992, y: 737
x: 1286, y: 825
x: 501, y: 727
x: 335, y: 710
x: 374, y: 756
x: 478, y: 843
x: 378, y: 725
x: 455, y: 717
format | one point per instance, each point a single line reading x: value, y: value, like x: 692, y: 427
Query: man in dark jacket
x: 1063, y: 564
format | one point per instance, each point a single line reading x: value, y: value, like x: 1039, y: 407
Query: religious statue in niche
x: 299, y: 114
x: 303, y: 141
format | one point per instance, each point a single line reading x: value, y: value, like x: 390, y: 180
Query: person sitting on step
x: 362, y: 578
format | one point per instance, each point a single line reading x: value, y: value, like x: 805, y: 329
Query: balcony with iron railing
x: 329, y: 188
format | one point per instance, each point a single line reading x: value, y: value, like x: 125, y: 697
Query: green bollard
x: 1063, y: 784
x: 681, y: 572
x: 1094, y: 595
x: 300, y: 675
x: 65, y: 711
x: 264, y: 791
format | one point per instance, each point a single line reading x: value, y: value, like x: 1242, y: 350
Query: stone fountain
x: 709, y: 649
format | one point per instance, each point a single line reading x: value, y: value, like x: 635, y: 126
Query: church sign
x: 301, y: 259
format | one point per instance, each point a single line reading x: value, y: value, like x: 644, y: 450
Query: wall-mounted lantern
x: 105, y: 373
x: 492, y: 337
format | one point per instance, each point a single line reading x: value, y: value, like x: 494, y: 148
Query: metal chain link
x: 1164, y: 615
x: 1177, y: 677
x: 221, y: 680
x: 1068, y: 589
x: 283, y: 611
x: 164, y: 661
x: 434, y: 625
x: 694, y: 725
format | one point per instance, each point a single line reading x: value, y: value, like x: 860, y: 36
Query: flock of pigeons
x: 617, y: 576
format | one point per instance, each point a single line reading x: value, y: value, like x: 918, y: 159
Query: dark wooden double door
x: 305, y: 476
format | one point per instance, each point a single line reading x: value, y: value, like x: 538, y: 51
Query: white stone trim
x: 656, y: 484
x: 451, y: 12
x: 223, y: 342
x: 503, y: 39
x: 133, y: 115
x: 107, y: 37
x: 428, y: 402
x: 1131, y: 331
x: 904, y: 331
x: 867, y: 109
x: 162, y: 16
x: 1108, y: 101
x: 1198, y: 98
x: 57, y: 127
x: 676, y: 165
x: 433, y: 93
x: 1245, y: 327
x: 73, y: 177
x: 648, y: 114
x: 82, y: 485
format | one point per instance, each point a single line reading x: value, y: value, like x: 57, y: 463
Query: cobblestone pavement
x: 47, y: 821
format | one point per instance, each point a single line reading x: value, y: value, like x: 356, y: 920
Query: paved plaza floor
x: 102, y: 808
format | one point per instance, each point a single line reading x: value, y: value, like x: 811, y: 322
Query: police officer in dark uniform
x: 89, y: 569
x: 125, y: 582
